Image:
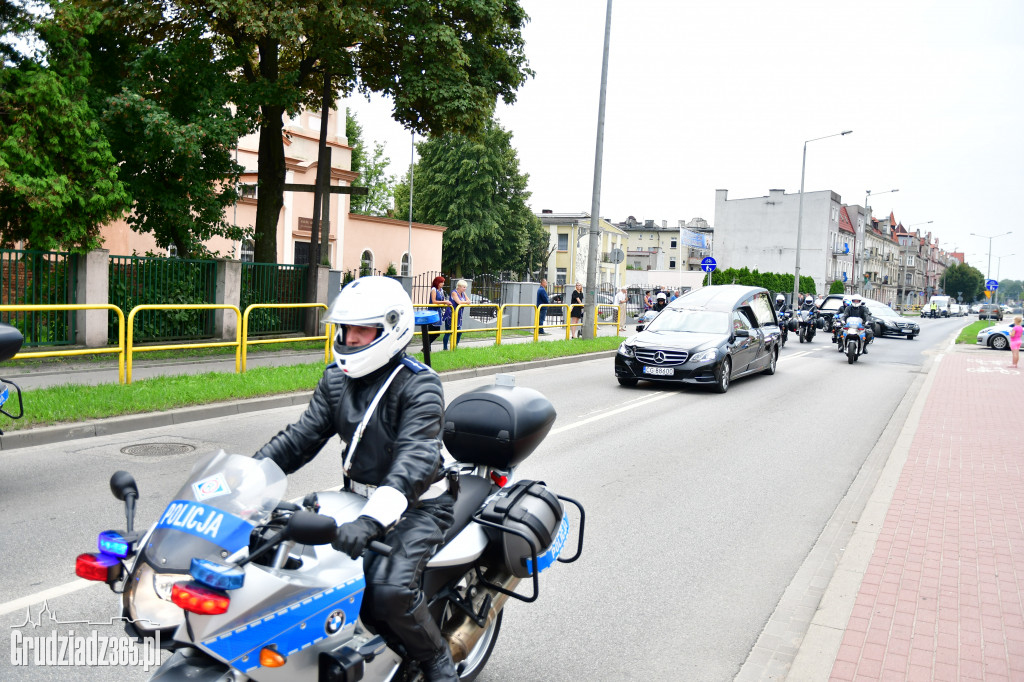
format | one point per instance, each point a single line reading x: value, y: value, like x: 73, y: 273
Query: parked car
x: 709, y: 336
x: 996, y: 336
x: 482, y: 313
x: 990, y: 311
x: 976, y: 308
x: 885, y: 320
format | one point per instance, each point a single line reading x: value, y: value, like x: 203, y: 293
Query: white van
x: 941, y: 306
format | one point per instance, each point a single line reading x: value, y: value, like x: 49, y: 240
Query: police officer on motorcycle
x: 780, y: 304
x: 858, y: 309
x: 388, y: 408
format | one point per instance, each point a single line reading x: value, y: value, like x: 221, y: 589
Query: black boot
x: 440, y: 668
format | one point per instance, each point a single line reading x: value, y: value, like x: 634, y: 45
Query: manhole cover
x: 157, y: 449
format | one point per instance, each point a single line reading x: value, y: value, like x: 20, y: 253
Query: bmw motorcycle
x: 853, y: 338
x: 806, y: 319
x: 785, y: 319
x: 243, y: 585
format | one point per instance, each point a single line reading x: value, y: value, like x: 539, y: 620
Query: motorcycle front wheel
x: 851, y: 352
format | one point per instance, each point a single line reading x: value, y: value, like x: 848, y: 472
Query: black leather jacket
x: 401, y: 446
x: 856, y: 311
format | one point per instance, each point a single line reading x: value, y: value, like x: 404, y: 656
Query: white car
x: 996, y: 336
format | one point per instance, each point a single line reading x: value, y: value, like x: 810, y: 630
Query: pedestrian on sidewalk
x: 458, y: 297
x: 542, y: 300
x: 577, y: 308
x: 437, y: 297
x: 1016, y: 331
x: 620, y: 301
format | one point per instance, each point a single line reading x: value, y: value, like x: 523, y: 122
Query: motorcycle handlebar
x: 380, y: 548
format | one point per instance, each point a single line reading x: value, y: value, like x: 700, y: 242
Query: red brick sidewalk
x: 941, y: 599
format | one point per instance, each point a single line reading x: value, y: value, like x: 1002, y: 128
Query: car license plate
x: 659, y: 371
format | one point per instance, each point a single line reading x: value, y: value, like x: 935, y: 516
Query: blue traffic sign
x: 991, y: 285
x: 708, y: 264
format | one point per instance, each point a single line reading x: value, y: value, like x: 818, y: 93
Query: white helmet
x: 856, y: 300
x: 780, y: 298
x: 379, y: 302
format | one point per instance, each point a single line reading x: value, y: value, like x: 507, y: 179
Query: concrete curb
x: 103, y: 427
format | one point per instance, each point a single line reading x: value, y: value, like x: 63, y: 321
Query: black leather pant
x: 394, y: 603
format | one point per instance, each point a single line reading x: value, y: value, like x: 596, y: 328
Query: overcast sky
x: 723, y: 93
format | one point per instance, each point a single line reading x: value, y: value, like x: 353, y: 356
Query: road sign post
x: 708, y: 265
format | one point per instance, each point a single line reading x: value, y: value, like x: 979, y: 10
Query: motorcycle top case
x: 497, y: 426
x: 530, y: 508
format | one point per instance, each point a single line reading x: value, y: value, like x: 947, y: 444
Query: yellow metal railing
x: 129, y: 349
x: 613, y: 318
x: 501, y: 318
x: 440, y: 308
x: 120, y: 349
x: 565, y: 309
x: 326, y: 338
x: 455, y: 321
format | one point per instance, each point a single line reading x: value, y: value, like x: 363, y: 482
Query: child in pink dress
x: 1016, y: 331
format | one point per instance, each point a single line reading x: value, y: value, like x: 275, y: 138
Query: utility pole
x: 594, y: 256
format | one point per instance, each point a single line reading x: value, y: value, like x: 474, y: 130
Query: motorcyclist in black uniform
x: 393, y: 459
x: 858, y: 309
x: 660, y: 302
x: 780, y: 304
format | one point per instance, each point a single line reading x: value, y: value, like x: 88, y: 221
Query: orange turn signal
x: 269, y: 658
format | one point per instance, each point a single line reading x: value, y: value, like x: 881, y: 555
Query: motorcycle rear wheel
x: 473, y: 665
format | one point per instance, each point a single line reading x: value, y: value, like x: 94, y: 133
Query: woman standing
x: 437, y: 297
x: 1016, y: 331
x: 459, y: 297
x: 577, y: 308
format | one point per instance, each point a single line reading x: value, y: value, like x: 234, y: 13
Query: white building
x: 760, y: 233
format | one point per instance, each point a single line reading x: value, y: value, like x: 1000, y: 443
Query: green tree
x: 1010, y: 289
x: 963, y: 278
x: 372, y: 173
x: 837, y: 287
x: 473, y: 187
x: 58, y: 178
x: 168, y: 118
x: 443, y: 63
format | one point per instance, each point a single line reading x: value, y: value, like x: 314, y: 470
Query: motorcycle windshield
x: 854, y: 322
x: 225, y: 497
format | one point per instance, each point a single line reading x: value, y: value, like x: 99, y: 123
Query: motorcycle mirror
x: 122, y: 484
x: 309, y: 528
x: 10, y: 341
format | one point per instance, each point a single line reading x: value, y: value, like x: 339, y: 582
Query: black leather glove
x: 354, y: 536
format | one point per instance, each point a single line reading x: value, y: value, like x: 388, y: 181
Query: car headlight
x: 704, y: 355
x: 627, y: 350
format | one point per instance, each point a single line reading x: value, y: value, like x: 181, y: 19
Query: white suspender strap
x: 358, y: 435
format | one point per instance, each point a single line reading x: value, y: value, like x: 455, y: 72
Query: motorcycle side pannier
x: 529, y: 508
x: 497, y: 426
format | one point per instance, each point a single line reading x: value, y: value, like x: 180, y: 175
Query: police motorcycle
x: 10, y: 343
x: 243, y: 585
x: 807, y: 323
x: 785, y: 319
x: 853, y: 338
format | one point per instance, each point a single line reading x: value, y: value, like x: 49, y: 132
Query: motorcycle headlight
x: 147, y: 597
x: 627, y: 350
x: 704, y: 355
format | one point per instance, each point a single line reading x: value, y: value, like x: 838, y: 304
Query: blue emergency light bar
x: 217, y: 576
x: 111, y: 542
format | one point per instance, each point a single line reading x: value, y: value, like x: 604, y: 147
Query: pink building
x: 355, y: 240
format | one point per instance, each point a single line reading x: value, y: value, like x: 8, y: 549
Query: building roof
x: 844, y: 222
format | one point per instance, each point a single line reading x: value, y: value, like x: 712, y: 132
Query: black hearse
x: 708, y: 336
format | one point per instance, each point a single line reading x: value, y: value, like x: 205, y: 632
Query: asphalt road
x: 701, y: 508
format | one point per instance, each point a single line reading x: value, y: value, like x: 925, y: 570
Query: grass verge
x: 970, y: 332
x: 74, y: 403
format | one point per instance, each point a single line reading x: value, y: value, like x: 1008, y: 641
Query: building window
x: 563, y: 242
x: 673, y: 244
x: 248, y: 251
x: 560, y: 274
x: 301, y: 256
x: 366, y: 264
x: 671, y: 263
x: 247, y: 190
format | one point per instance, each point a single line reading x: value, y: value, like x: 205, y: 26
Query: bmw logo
x: 659, y: 357
x: 334, y: 622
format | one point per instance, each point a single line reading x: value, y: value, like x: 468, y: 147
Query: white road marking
x: 618, y: 410
x: 52, y: 593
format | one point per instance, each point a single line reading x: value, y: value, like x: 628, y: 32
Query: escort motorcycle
x: 243, y: 585
x: 852, y: 338
x: 806, y: 321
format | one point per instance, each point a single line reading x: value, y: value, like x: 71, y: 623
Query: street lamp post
x: 800, y: 212
x: 988, y: 272
x: 903, y: 264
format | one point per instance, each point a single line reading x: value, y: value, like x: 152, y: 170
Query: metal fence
x: 135, y: 280
x: 40, y: 278
x: 269, y: 283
